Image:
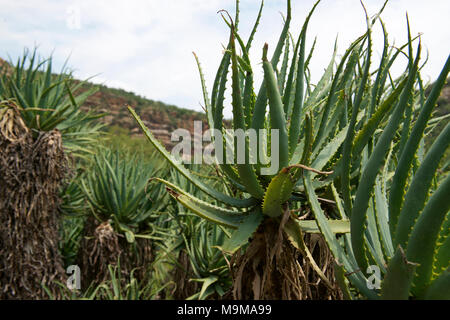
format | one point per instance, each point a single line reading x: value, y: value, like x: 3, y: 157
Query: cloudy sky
x: 146, y: 46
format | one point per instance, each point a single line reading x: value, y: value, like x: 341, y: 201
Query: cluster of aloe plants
x: 354, y: 139
x: 353, y: 168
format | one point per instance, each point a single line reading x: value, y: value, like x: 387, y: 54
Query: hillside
x: 162, y: 119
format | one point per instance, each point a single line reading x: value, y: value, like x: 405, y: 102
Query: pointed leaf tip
x: 265, y: 49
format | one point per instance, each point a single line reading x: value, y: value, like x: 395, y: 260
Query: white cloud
x: 145, y: 46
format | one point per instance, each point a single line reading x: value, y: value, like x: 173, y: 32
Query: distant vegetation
x: 160, y: 117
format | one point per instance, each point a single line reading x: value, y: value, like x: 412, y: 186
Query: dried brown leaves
x: 31, y: 171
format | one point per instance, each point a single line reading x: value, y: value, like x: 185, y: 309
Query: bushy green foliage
x: 120, y: 139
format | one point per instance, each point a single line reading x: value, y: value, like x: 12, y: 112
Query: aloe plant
x: 337, y: 132
x: 122, y: 223
x: 396, y: 224
x: 48, y: 101
x: 245, y: 176
x: 117, y: 190
x: 414, y: 256
x: 209, y: 265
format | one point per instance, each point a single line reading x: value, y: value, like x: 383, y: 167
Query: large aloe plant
x: 396, y: 225
x: 337, y: 132
x: 399, y: 215
x: 250, y: 113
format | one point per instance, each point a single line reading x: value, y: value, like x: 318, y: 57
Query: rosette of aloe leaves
x: 351, y: 159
